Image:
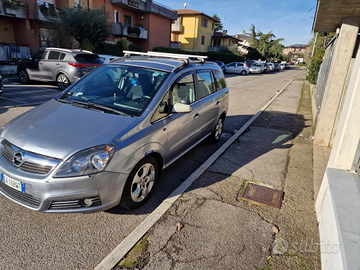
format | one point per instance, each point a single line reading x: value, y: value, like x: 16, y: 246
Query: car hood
x: 57, y: 130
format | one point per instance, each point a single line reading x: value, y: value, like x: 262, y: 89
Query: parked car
x: 220, y: 64
x: 271, y: 66
x: 237, y: 67
x: 277, y: 67
x: 1, y: 84
x: 60, y: 65
x: 106, y: 138
x: 105, y: 58
x: 282, y: 66
x: 266, y: 68
x: 287, y: 65
x: 257, y: 68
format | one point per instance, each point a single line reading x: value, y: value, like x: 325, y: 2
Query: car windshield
x: 118, y: 89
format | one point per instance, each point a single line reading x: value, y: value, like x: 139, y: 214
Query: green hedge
x: 219, y: 56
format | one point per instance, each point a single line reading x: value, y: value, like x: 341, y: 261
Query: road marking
x: 27, y: 92
x: 13, y: 99
x: 128, y: 243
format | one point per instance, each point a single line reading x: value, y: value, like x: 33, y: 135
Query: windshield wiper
x: 90, y: 105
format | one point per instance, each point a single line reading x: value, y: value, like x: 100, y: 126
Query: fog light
x: 87, y: 202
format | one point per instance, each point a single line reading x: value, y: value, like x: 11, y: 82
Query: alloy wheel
x: 23, y: 76
x: 143, y: 182
x: 63, y: 82
x: 218, y: 129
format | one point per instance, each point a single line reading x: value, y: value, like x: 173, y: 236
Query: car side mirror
x: 181, y: 108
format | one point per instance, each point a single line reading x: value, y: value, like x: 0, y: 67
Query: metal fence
x: 324, y: 73
x: 12, y: 53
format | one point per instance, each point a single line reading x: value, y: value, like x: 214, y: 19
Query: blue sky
x: 288, y: 19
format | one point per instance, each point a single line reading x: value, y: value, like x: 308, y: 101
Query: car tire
x: 243, y: 72
x: 140, y: 184
x: 23, y: 76
x: 62, y: 81
x: 218, y: 130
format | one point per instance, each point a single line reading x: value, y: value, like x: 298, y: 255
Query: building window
x: 176, y: 37
x: 204, y: 22
x: 127, y: 19
x: 213, y: 26
x: 116, y: 16
x: 202, y: 40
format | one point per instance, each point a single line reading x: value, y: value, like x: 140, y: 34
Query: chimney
x: 224, y: 32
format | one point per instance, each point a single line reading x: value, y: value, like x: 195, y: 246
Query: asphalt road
x: 32, y: 240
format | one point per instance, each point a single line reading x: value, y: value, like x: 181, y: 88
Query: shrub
x: 218, y: 56
x: 314, y: 67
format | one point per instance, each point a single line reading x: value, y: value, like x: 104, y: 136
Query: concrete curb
x: 128, y: 243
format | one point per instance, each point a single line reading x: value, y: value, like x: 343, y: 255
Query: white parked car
x: 271, y: 66
x: 257, y: 68
x: 107, y: 58
x: 237, y: 67
x: 282, y: 66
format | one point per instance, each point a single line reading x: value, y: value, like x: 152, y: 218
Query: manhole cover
x: 263, y: 195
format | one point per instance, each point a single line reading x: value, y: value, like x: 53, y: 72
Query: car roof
x: 68, y: 50
x: 168, y: 64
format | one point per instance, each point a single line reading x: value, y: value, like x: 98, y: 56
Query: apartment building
x: 222, y: 39
x: 296, y: 51
x: 32, y: 24
x: 192, y: 31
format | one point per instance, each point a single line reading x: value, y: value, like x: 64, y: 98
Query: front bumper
x: 59, y: 195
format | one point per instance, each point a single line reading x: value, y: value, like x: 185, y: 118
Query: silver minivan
x: 105, y: 139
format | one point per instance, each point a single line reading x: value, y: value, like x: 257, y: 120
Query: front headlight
x: 89, y: 161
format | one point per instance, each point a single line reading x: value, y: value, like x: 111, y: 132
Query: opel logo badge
x: 18, y: 159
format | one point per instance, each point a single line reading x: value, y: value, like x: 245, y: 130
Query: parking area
x: 32, y: 240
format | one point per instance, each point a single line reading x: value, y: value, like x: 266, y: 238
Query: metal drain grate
x: 263, y: 195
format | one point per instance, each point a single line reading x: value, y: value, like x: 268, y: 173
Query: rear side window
x: 88, y: 59
x: 62, y: 56
x: 240, y: 64
x: 184, y: 88
x: 220, y: 80
x: 53, y: 55
x: 205, y: 84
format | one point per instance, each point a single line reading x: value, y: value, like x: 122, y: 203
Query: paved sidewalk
x: 210, y: 227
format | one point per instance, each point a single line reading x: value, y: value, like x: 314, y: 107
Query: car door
x: 50, y: 64
x: 209, y: 101
x: 34, y: 68
x: 183, y: 128
x: 230, y: 68
x: 239, y: 67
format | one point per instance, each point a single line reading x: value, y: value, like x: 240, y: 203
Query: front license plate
x: 13, y: 183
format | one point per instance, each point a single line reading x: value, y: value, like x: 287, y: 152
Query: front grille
x: 8, y: 150
x: 24, y: 198
x: 62, y: 205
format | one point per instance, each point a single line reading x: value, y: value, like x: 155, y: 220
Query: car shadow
x: 279, y: 129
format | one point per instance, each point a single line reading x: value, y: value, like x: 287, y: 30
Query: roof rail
x: 185, y: 57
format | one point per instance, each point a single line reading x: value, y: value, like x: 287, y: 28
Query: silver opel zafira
x: 105, y: 139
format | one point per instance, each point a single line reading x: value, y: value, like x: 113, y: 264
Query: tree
x: 218, y: 24
x: 268, y: 47
x: 88, y: 26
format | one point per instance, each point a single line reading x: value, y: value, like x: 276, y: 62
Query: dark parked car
x: 220, y: 64
x: 1, y: 84
x: 277, y: 66
x: 55, y: 64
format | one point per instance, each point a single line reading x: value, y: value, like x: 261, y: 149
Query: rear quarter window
x: 220, y: 80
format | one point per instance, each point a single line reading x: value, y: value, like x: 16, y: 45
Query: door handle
x: 41, y: 63
x: 196, y: 116
x: 218, y: 103
x: 58, y: 64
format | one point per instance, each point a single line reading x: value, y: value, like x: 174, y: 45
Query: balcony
x: 146, y: 6
x: 15, y: 9
x: 122, y: 29
x: 177, y: 28
x: 135, y: 5
x: 47, y: 13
